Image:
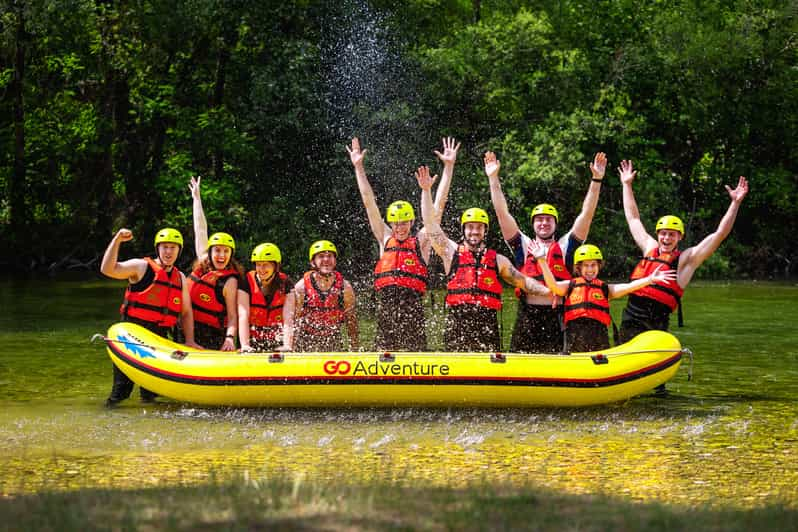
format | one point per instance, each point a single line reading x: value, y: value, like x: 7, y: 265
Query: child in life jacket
x: 587, y: 298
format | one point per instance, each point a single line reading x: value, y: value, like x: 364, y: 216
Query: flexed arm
x: 132, y: 270
x: 507, y: 223
x: 448, y: 158
x: 200, y: 224
x: 378, y: 227
x: 643, y: 240
x: 582, y: 223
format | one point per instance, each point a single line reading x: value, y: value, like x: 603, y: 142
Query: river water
x: 728, y: 438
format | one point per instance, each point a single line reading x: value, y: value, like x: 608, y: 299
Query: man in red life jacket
x: 401, y: 275
x: 325, y: 302
x: 156, y: 296
x: 265, y: 297
x: 474, y: 292
x: 538, y: 325
x: 650, y: 307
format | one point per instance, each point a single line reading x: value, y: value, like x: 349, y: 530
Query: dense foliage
x: 108, y: 107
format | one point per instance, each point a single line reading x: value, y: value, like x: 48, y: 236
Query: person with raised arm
x: 213, y: 282
x: 325, y: 303
x: 538, y: 325
x: 473, y: 291
x: 265, y: 299
x: 156, y: 297
x: 586, y: 298
x: 401, y: 275
x: 650, y: 307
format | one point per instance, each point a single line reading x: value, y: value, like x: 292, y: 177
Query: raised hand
x: 539, y: 251
x: 599, y: 165
x: 492, y: 164
x: 740, y: 192
x: 424, y: 179
x: 449, y: 155
x: 124, y: 235
x: 355, y: 155
x: 660, y: 276
x: 194, y: 187
x: 627, y: 172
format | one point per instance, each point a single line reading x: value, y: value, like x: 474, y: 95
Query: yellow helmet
x: 221, y: 239
x: 400, y: 211
x: 671, y: 222
x: 587, y: 252
x: 167, y: 234
x: 266, y: 252
x: 545, y: 208
x: 474, y: 214
x: 319, y: 246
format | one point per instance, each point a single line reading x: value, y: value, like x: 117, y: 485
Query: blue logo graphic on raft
x: 135, y: 347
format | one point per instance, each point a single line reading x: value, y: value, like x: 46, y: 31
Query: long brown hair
x: 204, y: 265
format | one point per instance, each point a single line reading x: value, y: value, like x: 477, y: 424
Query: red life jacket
x: 554, y: 259
x: 322, y: 312
x: 588, y: 299
x: 207, y: 296
x: 161, y: 302
x: 401, y: 265
x: 474, y: 284
x: 266, y: 317
x: 668, y: 293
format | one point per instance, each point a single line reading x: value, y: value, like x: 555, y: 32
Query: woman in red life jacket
x: 156, y: 296
x: 264, y: 298
x: 401, y: 276
x: 213, y: 282
x: 474, y: 291
x: 325, y: 302
x: 587, y: 298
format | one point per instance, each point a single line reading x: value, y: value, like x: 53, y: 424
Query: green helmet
x: 221, y: 239
x: 671, y: 222
x: 400, y: 211
x: 545, y: 208
x: 587, y: 252
x: 474, y: 214
x: 266, y: 252
x: 167, y: 234
x: 319, y: 246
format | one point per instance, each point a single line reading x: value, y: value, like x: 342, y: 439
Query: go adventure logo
x: 393, y: 369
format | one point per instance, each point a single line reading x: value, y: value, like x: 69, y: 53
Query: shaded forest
x: 107, y: 108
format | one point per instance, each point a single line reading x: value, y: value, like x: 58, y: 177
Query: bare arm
x: 507, y: 223
x: 448, y: 158
x: 643, y: 240
x: 658, y: 275
x: 187, y: 316
x: 132, y: 270
x: 200, y: 224
x: 540, y: 251
x: 378, y: 227
x: 230, y: 293
x: 243, y: 320
x: 350, y: 314
x: 442, y: 245
x: 693, y: 257
x: 289, y: 308
x: 513, y: 277
x: 582, y: 223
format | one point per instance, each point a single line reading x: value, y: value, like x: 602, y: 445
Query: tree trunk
x: 18, y: 212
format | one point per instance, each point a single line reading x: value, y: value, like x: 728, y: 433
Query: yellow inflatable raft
x: 393, y: 379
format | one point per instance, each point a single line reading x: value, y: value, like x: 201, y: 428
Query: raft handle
x: 600, y: 359
x: 387, y: 357
x: 276, y: 357
x: 177, y: 354
x: 498, y: 358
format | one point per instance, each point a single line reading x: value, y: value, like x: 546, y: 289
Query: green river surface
x: 728, y: 438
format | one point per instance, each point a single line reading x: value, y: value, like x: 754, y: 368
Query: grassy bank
x: 247, y: 504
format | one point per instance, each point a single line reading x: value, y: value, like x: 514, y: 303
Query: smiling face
x: 324, y: 262
x: 401, y: 230
x: 168, y: 253
x: 668, y: 240
x: 265, y: 270
x: 544, y: 226
x: 220, y: 256
x: 474, y: 234
x: 589, y: 269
